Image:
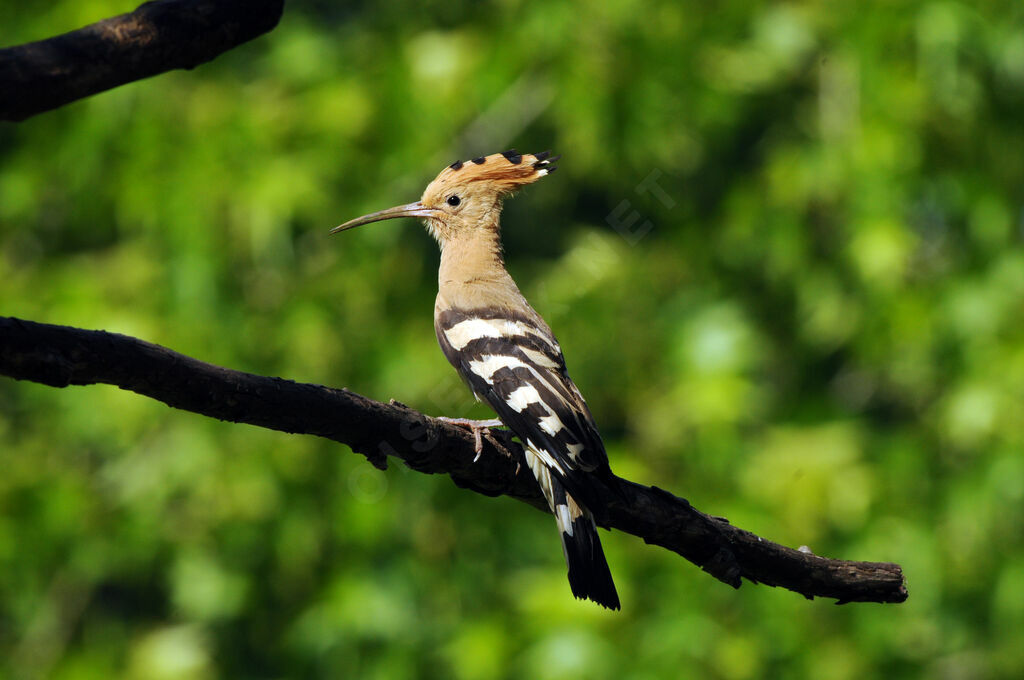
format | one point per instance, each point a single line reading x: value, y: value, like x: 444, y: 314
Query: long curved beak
x: 416, y: 209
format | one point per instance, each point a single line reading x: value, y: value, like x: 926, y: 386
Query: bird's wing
x: 516, y: 367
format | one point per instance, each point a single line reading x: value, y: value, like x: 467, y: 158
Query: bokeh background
x: 783, y: 255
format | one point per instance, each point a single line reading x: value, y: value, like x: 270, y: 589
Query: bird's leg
x: 476, y: 427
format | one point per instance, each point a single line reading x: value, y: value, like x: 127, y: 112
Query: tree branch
x: 60, y: 356
x: 158, y: 36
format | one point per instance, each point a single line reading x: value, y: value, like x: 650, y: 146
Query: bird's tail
x: 589, y: 575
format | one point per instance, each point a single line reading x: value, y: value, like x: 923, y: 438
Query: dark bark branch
x: 62, y: 356
x: 158, y: 36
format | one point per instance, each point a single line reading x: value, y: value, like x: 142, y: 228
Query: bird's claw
x: 477, y: 427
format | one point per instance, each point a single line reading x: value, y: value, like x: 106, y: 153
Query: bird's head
x: 467, y: 195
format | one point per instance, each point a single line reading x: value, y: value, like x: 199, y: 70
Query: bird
x: 507, y: 354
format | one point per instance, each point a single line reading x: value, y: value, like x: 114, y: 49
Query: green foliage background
x: 818, y: 335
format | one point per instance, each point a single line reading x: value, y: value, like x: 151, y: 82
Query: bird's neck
x: 472, y: 273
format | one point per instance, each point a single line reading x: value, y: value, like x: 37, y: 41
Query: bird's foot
x: 476, y: 427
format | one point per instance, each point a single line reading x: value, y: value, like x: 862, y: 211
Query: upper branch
x: 61, y: 356
x: 158, y: 36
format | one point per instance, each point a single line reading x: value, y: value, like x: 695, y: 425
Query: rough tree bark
x: 60, y: 356
x: 158, y: 36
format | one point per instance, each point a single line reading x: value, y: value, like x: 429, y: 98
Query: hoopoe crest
x: 507, y: 354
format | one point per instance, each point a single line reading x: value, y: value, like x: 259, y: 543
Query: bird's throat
x: 472, y: 272
x: 472, y: 255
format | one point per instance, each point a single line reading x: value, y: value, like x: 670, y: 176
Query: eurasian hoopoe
x: 507, y: 354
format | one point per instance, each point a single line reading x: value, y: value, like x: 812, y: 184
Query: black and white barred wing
x: 517, y: 368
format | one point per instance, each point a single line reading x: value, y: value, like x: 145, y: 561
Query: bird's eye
x: 454, y: 200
